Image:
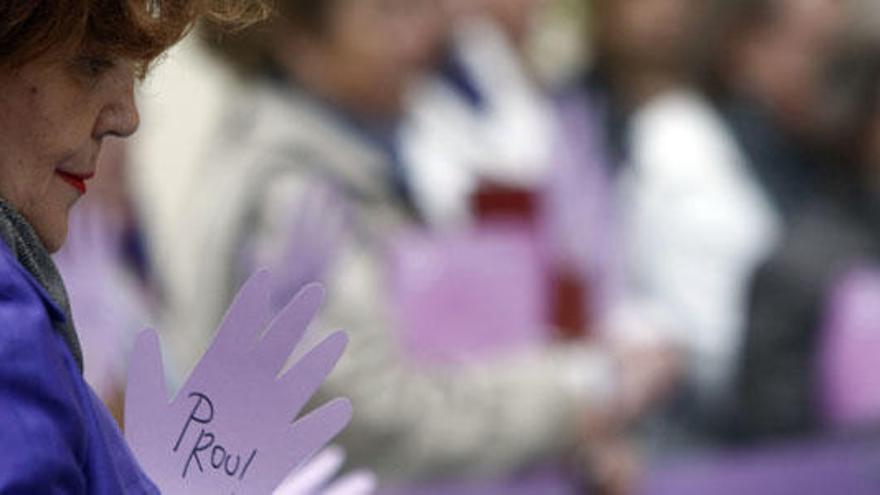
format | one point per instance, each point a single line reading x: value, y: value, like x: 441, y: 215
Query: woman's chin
x: 52, y: 232
x: 54, y: 240
x: 52, y: 224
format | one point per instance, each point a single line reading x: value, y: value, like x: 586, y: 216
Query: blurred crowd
x: 570, y: 240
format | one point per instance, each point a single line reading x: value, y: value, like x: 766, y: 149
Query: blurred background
x: 580, y: 246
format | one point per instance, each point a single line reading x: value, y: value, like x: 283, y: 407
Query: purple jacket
x: 55, y: 435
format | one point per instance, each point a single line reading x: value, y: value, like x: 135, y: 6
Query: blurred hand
x: 609, y: 461
x: 642, y: 376
x: 646, y: 375
x: 320, y: 475
x: 613, y: 466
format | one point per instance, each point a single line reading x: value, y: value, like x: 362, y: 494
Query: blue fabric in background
x: 55, y: 435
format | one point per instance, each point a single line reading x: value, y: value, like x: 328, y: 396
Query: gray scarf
x: 21, y: 238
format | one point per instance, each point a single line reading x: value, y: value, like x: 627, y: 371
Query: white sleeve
x: 695, y: 226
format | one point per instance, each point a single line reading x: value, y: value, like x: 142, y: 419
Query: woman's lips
x: 76, y: 181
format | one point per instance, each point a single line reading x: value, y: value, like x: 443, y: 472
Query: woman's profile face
x: 55, y: 112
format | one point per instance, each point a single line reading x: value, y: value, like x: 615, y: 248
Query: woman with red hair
x: 67, y: 75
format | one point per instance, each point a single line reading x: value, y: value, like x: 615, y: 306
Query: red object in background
x: 498, y: 202
x: 566, y: 290
x: 569, y: 315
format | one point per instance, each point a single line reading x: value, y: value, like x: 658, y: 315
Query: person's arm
x: 775, y: 389
x: 40, y: 426
x: 695, y: 227
x: 778, y: 386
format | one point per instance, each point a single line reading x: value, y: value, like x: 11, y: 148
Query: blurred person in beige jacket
x: 325, y: 89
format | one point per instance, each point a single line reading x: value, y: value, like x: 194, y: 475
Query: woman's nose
x: 119, y: 114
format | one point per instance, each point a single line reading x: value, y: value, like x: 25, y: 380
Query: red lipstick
x: 78, y: 182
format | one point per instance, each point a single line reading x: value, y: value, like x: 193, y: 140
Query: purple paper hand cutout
x: 230, y: 428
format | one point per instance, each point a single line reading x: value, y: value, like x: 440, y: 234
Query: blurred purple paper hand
x: 311, y: 232
x: 230, y: 428
x: 318, y: 476
x: 109, y: 307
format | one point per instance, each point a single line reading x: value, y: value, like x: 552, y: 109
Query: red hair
x: 137, y: 30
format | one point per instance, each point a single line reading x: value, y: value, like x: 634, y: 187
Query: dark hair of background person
x: 138, y: 30
x: 853, y: 95
x: 250, y: 51
x: 643, y: 48
x: 723, y: 22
